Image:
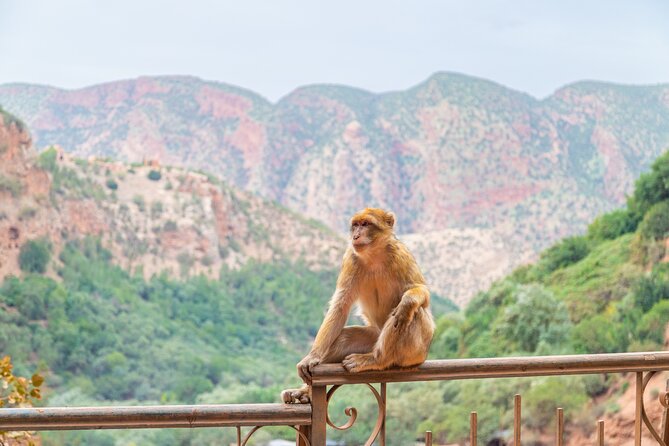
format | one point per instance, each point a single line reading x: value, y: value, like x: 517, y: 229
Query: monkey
x: 379, y: 274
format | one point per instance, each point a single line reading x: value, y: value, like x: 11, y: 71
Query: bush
x: 154, y: 175
x: 647, y: 291
x: 651, y: 187
x: 111, y: 184
x: 48, y: 160
x: 655, y: 224
x: 612, y: 225
x: 598, y: 334
x: 10, y: 185
x: 34, y: 256
x: 566, y: 252
x: 536, y: 317
x: 653, y: 324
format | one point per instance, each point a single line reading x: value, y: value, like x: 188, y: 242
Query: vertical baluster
x: 600, y: 433
x: 428, y: 438
x: 382, y: 436
x: 473, y: 429
x: 637, y: 414
x: 559, y: 431
x: 516, y: 420
x: 318, y: 415
x: 239, y: 436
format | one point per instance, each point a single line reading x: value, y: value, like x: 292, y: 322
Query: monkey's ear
x: 390, y: 219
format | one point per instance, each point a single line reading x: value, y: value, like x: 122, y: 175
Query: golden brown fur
x: 380, y: 274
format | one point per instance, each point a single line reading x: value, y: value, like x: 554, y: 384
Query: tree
x: 34, y: 255
x: 536, y: 317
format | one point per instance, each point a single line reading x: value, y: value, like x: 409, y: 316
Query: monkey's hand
x: 404, y: 312
x: 306, y: 366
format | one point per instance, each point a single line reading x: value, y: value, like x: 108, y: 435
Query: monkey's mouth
x: 360, y: 243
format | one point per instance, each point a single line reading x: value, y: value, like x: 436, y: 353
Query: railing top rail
x: 446, y: 369
x: 138, y: 417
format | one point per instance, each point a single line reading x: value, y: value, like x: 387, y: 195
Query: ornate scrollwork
x: 248, y: 436
x: 352, y: 413
x: 664, y: 401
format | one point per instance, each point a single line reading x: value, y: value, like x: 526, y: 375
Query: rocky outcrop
x: 453, y: 152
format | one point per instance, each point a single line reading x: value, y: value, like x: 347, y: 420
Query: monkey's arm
x: 335, y: 319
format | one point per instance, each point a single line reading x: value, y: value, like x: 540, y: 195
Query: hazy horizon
x: 274, y: 48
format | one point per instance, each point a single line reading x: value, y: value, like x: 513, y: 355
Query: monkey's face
x: 363, y: 233
x: 369, y: 226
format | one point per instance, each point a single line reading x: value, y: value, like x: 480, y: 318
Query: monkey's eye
x: 364, y: 223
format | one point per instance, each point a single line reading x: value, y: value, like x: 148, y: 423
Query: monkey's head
x: 371, y: 226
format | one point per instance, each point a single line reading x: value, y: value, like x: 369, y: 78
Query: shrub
x: 598, y: 334
x: 34, y: 256
x: 10, y: 185
x: 536, y: 317
x: 139, y: 201
x: 111, y: 184
x: 47, y: 160
x: 651, y: 187
x: 154, y: 175
x: 655, y: 224
x: 612, y: 225
x: 653, y: 324
x: 566, y: 252
x: 647, y: 291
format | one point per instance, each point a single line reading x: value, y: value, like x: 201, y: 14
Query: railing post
x: 318, y: 415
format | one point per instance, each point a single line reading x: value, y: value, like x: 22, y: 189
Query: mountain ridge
x: 450, y: 153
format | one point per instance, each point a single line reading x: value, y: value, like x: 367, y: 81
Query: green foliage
x: 139, y: 202
x: 13, y: 186
x: 161, y: 339
x: 612, y: 225
x: 564, y: 253
x: 648, y: 290
x: 35, y: 255
x: 653, y: 324
x: 154, y: 175
x: 598, y: 334
x: 48, y: 160
x: 651, y: 187
x: 655, y: 224
x: 111, y: 184
x: 535, y: 318
x: 545, y: 394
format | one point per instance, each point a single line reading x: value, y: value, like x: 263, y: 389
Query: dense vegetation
x: 104, y: 335
x: 605, y: 291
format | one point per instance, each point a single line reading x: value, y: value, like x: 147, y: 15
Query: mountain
x: 152, y: 218
x: 606, y: 291
x: 452, y: 154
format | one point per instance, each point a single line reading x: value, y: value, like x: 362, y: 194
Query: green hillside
x: 605, y: 291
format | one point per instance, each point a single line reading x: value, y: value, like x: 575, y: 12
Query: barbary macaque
x: 379, y: 274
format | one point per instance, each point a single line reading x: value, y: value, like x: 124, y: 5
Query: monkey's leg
x: 402, y: 342
x: 354, y: 339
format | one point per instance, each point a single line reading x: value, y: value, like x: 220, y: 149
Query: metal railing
x: 311, y: 421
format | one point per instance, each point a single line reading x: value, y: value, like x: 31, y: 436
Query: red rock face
x: 453, y: 152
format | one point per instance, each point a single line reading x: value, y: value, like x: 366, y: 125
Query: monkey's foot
x: 296, y: 396
x: 359, y: 362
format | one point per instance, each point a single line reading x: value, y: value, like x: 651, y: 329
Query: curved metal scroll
x: 257, y: 428
x: 664, y: 400
x: 352, y: 413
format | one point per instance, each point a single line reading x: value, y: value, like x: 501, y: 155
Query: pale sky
x: 273, y: 47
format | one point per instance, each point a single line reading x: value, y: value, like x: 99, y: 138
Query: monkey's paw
x: 296, y: 396
x: 359, y: 362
